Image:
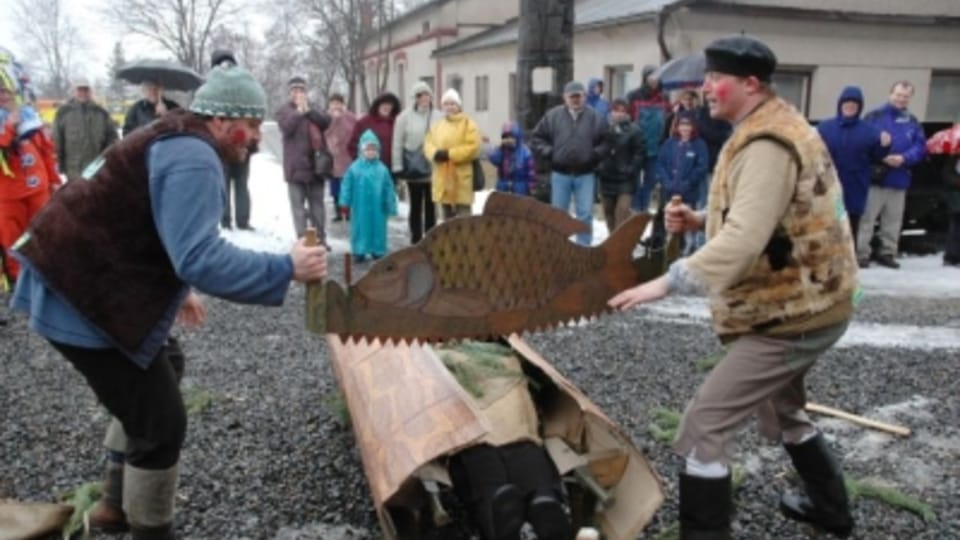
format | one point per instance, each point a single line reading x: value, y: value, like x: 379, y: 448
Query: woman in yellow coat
x: 452, y: 144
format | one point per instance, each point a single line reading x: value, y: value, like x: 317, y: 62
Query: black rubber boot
x: 501, y: 516
x: 705, y: 507
x: 163, y: 532
x: 823, y: 500
x: 548, y: 517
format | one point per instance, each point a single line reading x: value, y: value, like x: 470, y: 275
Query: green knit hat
x: 230, y: 92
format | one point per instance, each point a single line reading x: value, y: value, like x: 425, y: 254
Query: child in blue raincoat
x: 514, y: 162
x: 368, y: 192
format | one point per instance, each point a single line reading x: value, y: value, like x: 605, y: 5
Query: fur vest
x: 809, y: 265
x: 96, y: 245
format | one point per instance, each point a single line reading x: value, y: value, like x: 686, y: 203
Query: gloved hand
x: 441, y: 156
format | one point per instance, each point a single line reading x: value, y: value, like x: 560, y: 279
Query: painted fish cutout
x: 509, y: 270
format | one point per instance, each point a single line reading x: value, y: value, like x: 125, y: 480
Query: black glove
x: 441, y: 156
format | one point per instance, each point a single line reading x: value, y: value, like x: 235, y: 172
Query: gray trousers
x: 759, y: 374
x: 887, y: 204
x: 306, y: 203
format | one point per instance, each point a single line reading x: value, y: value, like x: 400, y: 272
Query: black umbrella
x: 161, y: 72
x: 682, y: 72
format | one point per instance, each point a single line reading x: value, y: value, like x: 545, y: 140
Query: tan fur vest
x: 809, y: 266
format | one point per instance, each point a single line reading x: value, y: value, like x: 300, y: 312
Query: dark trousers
x: 854, y: 226
x: 951, y: 253
x: 237, y: 176
x: 423, y: 212
x: 146, y: 402
x: 479, y: 471
x: 335, y: 192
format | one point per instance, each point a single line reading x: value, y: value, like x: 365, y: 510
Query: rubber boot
x: 823, y: 500
x: 148, y: 499
x: 501, y: 516
x: 107, y: 515
x: 705, y: 507
x: 548, y: 517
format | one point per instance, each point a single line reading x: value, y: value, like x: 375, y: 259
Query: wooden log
x: 859, y: 420
x: 316, y: 315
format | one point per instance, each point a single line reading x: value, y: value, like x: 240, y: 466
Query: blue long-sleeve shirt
x: 186, y: 197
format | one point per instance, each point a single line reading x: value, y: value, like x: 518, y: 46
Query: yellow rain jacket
x: 453, y: 180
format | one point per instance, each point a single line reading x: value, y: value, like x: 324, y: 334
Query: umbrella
x: 166, y: 74
x: 945, y: 141
x: 682, y: 72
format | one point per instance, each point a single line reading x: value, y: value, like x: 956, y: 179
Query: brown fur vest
x: 96, y: 245
x: 809, y: 266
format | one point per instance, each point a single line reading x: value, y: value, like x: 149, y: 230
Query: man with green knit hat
x: 110, y: 321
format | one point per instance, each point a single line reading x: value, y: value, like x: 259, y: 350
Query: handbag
x: 415, y: 163
x: 322, y: 158
x: 479, y: 180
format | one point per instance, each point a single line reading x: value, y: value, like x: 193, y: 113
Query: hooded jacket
x: 907, y: 138
x: 597, y: 101
x: 368, y: 191
x: 381, y: 126
x: 649, y: 108
x: 453, y: 179
x: 411, y: 129
x: 854, y: 146
x: 515, y: 166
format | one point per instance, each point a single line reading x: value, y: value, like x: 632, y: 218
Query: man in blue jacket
x: 855, y: 146
x: 888, y: 193
x: 106, y: 293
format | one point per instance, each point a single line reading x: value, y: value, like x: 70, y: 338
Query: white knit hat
x: 452, y: 95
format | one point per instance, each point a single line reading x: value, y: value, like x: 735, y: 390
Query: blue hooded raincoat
x: 515, y: 166
x: 597, y: 101
x: 369, y: 193
x: 854, y: 146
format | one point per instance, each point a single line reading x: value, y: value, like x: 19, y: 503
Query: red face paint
x: 239, y: 137
x: 721, y: 90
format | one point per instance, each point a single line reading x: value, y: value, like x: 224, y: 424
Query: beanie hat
x: 452, y: 95
x: 230, y: 92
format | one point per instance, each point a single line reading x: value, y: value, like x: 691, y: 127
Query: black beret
x: 741, y: 56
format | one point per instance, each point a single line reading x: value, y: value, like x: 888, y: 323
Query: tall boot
x: 148, y: 498
x: 823, y: 500
x: 705, y: 507
x: 107, y: 515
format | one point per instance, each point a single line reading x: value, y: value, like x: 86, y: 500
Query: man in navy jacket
x: 855, y: 146
x: 889, y: 192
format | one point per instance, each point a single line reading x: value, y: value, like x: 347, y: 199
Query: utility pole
x: 546, y: 40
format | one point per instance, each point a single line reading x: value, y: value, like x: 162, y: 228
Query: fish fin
x: 622, y: 241
x: 504, y: 204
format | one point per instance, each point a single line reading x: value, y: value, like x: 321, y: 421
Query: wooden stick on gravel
x: 861, y: 420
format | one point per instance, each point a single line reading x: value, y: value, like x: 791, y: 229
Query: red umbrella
x: 946, y: 141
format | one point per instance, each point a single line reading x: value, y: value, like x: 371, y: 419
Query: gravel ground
x: 269, y: 458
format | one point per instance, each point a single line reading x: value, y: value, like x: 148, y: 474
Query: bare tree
x: 183, y: 28
x: 343, y: 30
x: 49, y: 38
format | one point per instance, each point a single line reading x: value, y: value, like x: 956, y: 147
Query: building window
x: 620, y: 80
x: 456, y: 82
x: 401, y: 82
x: 944, y: 102
x: 793, y: 85
x: 482, y: 93
x: 429, y: 81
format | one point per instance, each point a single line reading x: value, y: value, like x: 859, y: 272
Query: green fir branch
x: 196, y: 400
x: 82, y: 499
x: 872, y: 489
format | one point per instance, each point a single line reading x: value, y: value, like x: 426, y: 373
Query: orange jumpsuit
x: 28, y: 175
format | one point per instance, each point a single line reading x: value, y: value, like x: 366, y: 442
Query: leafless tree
x: 183, y: 28
x: 49, y: 39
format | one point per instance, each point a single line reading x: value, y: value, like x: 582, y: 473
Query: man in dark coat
x: 619, y: 171
x: 237, y: 174
x: 855, y: 146
x: 82, y: 129
x: 146, y: 110
x: 301, y: 125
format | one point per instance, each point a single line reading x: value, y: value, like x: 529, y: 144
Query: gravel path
x: 269, y: 457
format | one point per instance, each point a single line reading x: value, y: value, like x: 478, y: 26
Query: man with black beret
x: 781, y: 276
